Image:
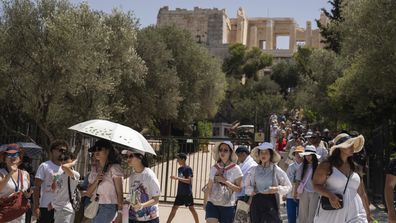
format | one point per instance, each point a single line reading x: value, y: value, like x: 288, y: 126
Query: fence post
x: 167, y: 168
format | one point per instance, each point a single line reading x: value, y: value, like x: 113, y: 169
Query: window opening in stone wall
x: 262, y: 44
x: 282, y: 42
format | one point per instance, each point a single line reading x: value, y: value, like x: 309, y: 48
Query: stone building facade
x: 213, y: 28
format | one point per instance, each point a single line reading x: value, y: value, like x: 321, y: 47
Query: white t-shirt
x: 10, y: 186
x: 223, y: 192
x: 49, y: 173
x: 145, y: 185
x: 106, y: 189
x: 62, y: 199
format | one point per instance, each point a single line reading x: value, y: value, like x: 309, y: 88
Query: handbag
x: 92, y: 209
x: 75, y: 198
x: 325, y: 202
x: 15, y: 205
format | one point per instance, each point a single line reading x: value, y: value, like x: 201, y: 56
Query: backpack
x: 75, y: 198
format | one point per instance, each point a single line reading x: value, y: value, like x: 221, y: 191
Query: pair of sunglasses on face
x: 13, y: 155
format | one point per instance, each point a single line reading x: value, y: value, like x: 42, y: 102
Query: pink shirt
x: 106, y: 189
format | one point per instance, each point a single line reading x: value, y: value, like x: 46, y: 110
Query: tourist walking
x: 67, y: 183
x: 246, y: 163
x: 307, y: 195
x: 184, y: 188
x: 13, y: 179
x: 144, y: 189
x: 105, y: 182
x: 390, y: 184
x: 291, y: 201
x: 225, y: 178
x: 45, y: 182
x: 337, y: 181
x: 264, y: 183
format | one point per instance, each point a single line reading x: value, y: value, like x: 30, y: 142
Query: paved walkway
x: 183, y: 214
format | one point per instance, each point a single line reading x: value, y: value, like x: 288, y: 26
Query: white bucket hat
x: 215, y: 151
x: 344, y: 141
x: 264, y: 146
x: 310, y: 150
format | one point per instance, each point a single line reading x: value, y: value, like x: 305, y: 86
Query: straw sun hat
x: 264, y: 146
x: 344, y: 141
x: 216, y: 154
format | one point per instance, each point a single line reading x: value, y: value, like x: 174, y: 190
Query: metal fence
x: 199, y: 158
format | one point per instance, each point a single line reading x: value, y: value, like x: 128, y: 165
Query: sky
x: 146, y: 10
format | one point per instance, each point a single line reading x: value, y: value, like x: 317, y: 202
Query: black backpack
x: 75, y: 198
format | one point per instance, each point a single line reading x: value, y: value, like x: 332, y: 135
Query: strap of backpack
x: 68, y: 187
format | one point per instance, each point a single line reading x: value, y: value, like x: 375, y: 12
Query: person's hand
x: 335, y: 201
x: 138, y: 206
x: 50, y: 207
x: 36, y: 212
x: 173, y: 177
x: 273, y: 190
x: 119, y: 217
x: 220, y: 179
x: 99, y: 178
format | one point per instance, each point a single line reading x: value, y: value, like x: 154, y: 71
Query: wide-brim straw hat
x: 309, y: 150
x: 264, y: 146
x: 298, y: 149
x: 216, y: 154
x: 344, y: 141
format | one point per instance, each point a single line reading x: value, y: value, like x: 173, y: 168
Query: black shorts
x: 186, y: 200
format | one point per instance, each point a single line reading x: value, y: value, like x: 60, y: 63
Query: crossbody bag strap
x: 21, y: 177
x: 347, y: 182
x: 68, y: 187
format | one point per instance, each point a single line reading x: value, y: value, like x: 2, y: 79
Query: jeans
x: 63, y: 216
x: 292, y: 210
x: 106, y: 213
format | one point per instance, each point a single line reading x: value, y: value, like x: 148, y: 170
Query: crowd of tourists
x: 313, y: 172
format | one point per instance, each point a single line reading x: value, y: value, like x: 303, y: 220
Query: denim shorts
x: 106, y: 213
x: 224, y: 214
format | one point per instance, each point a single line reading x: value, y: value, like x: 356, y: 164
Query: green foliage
x: 62, y: 63
x: 205, y: 129
x: 245, y: 61
x: 366, y: 92
x: 185, y: 83
x: 331, y: 34
x: 286, y: 75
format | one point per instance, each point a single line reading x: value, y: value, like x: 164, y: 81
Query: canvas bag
x: 221, y: 194
x: 15, y: 205
x: 92, y: 209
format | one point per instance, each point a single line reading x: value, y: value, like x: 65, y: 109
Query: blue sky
x: 146, y: 11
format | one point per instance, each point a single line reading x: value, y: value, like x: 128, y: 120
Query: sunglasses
x: 98, y: 149
x: 224, y: 150
x: 12, y: 155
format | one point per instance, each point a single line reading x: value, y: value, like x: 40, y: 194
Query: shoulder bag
x: 325, y: 202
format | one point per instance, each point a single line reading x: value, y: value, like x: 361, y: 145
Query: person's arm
x: 4, y: 180
x: 206, y: 193
x: 36, y: 196
x: 92, y: 186
x: 284, y: 185
x: 67, y: 168
x: 366, y: 204
x: 236, y: 187
x: 118, y: 186
x: 390, y: 184
x: 181, y: 179
x: 319, y: 181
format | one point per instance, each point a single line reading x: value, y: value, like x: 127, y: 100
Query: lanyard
x: 16, y: 184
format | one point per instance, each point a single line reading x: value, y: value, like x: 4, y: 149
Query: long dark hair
x: 314, y: 165
x: 271, y: 156
x: 143, y: 158
x: 335, y: 160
